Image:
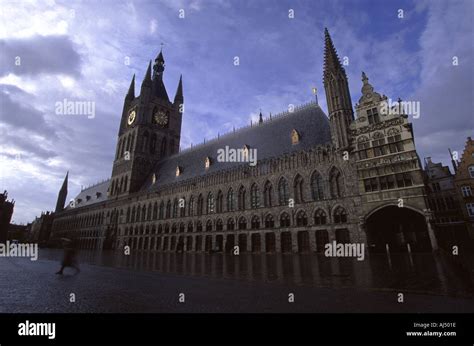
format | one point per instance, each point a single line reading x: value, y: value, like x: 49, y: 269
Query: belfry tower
x: 150, y: 130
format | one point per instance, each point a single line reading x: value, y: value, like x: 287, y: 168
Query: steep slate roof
x: 92, y: 192
x: 271, y: 139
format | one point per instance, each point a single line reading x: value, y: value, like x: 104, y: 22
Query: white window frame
x: 470, y: 209
x: 466, y: 191
x: 470, y: 169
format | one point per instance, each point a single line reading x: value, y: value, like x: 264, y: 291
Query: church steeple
x: 62, y: 195
x: 179, y: 98
x: 337, y: 95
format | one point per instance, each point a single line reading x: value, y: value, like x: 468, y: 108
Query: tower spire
x: 147, y: 79
x: 331, y: 59
x: 179, y: 98
x: 131, y: 89
x: 62, y: 195
x: 337, y: 95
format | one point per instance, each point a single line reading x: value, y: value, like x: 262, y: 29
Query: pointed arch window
x: 283, y: 196
x: 335, y: 183
x: 161, y: 214
x: 148, y: 213
x: 210, y: 203
x: 320, y: 217
x: 191, y: 206
x: 301, y: 218
x: 340, y: 215
x: 175, y: 208
x: 317, y: 186
x: 241, y: 198
x: 209, y: 226
x: 298, y: 189
x: 155, y: 211
x: 269, y: 221
x: 230, y: 200
x: 182, y: 207
x: 219, y: 202
x: 128, y: 215
x: 230, y: 224
x: 284, y: 220
x: 168, y: 209
x: 255, y: 223
x: 254, y: 196
x: 200, y: 204
x: 242, y: 223
x: 133, y: 214
x: 143, y: 213
x: 267, y: 194
x: 219, y: 225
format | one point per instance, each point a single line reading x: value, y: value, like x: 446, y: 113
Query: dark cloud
x: 26, y: 145
x: 22, y: 116
x: 39, y: 54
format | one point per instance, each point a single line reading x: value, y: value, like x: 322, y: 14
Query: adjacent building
x: 6, y: 212
x: 464, y: 182
x: 443, y: 201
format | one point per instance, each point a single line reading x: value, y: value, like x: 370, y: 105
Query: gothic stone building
x: 318, y: 178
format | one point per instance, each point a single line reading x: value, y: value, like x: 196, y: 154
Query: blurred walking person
x: 70, y: 256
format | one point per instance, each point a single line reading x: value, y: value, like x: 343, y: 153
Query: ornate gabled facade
x: 316, y: 179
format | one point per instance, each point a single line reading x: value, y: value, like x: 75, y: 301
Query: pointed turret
x: 131, y: 89
x: 159, y: 66
x: 337, y: 95
x: 147, y: 78
x: 62, y: 195
x: 178, y: 98
x: 331, y: 59
x: 260, y: 118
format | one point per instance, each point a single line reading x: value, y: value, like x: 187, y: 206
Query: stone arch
x: 397, y: 227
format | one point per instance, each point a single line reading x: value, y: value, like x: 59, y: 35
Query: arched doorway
x: 397, y: 227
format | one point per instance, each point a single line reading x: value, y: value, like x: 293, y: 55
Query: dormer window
x: 79, y: 200
x: 207, y: 162
x: 88, y: 198
x: 245, y: 152
x: 98, y: 195
x: 295, y: 137
x: 179, y: 170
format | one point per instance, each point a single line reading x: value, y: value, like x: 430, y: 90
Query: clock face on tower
x: 160, y: 118
x: 131, y: 117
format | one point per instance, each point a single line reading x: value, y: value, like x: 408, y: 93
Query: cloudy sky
x: 89, y: 50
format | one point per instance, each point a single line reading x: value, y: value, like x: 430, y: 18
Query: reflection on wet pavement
x: 420, y: 272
